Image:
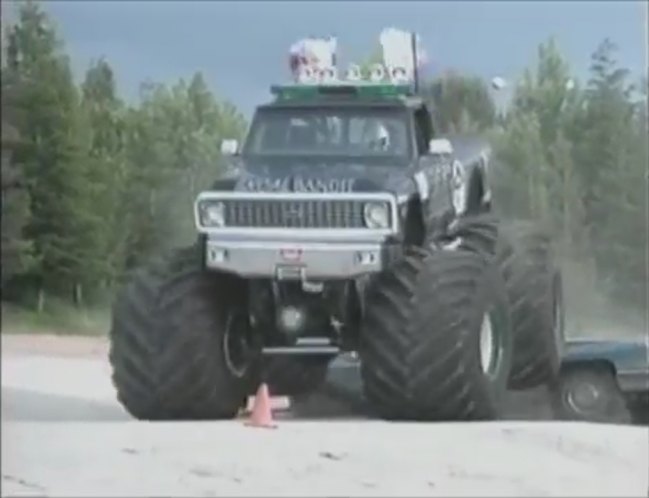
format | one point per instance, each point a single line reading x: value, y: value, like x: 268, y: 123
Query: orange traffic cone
x: 262, y: 414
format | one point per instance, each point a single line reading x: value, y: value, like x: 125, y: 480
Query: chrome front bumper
x: 633, y: 380
x: 283, y: 260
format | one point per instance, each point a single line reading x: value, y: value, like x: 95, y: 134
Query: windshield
x: 331, y: 132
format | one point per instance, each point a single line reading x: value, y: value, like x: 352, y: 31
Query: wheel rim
x: 583, y: 398
x: 488, y: 346
x: 236, y: 344
x: 459, y: 188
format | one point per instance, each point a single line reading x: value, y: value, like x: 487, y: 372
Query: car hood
x: 326, y: 176
x: 624, y: 354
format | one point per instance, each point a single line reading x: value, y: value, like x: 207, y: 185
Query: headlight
x: 377, y: 215
x: 212, y: 214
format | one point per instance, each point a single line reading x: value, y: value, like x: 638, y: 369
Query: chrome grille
x: 256, y: 213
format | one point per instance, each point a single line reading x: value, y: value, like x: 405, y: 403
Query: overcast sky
x: 241, y: 47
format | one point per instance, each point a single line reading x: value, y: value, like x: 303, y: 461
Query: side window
x: 358, y: 129
x: 423, y: 130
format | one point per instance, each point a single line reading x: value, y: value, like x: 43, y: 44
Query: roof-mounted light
x: 307, y: 75
x: 353, y: 73
x: 328, y: 75
x: 377, y: 73
x: 399, y: 75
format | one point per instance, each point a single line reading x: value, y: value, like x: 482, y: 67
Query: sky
x: 241, y: 47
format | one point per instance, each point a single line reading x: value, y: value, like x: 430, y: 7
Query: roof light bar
x: 313, y: 62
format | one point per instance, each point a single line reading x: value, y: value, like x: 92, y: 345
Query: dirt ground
x: 64, y: 434
x: 336, y: 397
x: 55, y: 345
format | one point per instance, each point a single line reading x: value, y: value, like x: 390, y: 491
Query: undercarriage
x: 299, y: 317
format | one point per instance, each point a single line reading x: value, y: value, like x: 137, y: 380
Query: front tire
x: 172, y: 343
x: 421, y: 340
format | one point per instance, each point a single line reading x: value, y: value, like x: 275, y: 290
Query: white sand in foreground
x: 363, y: 458
x: 82, y: 443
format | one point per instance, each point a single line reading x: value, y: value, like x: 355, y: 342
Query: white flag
x: 315, y: 53
x: 397, y: 50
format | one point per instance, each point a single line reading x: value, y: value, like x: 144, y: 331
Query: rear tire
x: 534, y: 284
x: 535, y: 291
x: 421, y: 339
x: 168, y: 339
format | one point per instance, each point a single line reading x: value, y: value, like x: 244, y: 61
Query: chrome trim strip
x: 326, y: 235
x: 327, y: 350
x: 633, y: 380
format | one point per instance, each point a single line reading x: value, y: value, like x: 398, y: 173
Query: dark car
x: 604, y: 381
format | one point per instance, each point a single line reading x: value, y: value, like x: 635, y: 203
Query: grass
x: 58, y: 318
x: 588, y: 313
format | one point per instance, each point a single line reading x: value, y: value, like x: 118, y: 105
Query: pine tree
x: 16, y: 248
x: 55, y: 155
x: 106, y: 167
x: 609, y: 137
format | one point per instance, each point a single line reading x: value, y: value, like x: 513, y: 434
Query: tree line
x: 93, y: 186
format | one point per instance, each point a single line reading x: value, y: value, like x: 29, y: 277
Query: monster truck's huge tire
x: 535, y: 293
x: 291, y: 376
x: 170, y: 328
x: 425, y: 335
x: 534, y: 286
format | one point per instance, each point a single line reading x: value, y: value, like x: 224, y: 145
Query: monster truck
x: 604, y: 381
x: 345, y: 223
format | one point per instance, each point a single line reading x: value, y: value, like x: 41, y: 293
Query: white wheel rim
x: 486, y: 344
x: 459, y: 187
x: 583, y: 398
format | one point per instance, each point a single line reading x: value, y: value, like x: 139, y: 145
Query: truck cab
x: 369, y: 151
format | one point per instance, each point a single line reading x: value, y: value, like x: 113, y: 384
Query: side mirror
x: 439, y: 146
x: 229, y: 147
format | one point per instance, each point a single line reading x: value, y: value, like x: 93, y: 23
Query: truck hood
x: 318, y: 175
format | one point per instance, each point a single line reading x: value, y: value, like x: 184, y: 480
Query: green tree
x: 521, y: 171
x: 461, y: 103
x: 545, y: 103
x: 173, y: 147
x: 55, y: 154
x: 106, y: 167
x: 16, y: 249
x: 612, y: 159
